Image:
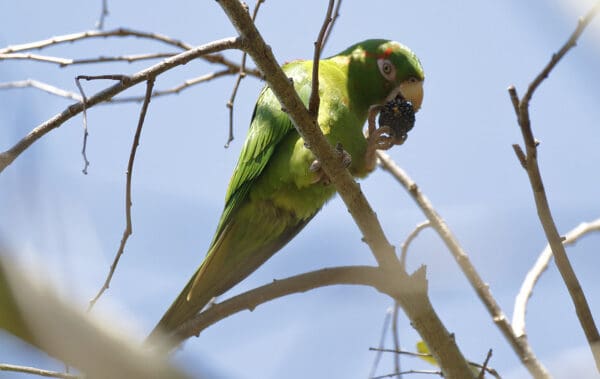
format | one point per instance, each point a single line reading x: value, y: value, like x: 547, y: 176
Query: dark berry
x: 399, y: 115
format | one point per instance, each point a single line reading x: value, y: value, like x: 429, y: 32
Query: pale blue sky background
x: 459, y: 152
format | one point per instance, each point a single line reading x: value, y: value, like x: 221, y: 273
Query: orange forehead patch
x: 385, y: 54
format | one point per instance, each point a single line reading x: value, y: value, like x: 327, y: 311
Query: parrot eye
x: 387, y: 69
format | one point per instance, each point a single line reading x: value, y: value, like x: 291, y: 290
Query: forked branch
x: 530, y: 164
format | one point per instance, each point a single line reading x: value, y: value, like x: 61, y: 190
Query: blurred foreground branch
x: 34, y: 313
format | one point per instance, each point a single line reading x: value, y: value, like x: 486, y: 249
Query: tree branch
x: 410, y: 291
x: 379, y: 351
x: 520, y: 347
x: 63, y: 62
x: 314, y: 100
x: 122, y: 99
x: 8, y: 156
x: 37, y: 371
x: 336, y: 15
x: 123, y: 32
x: 520, y: 308
x: 42, y: 87
x: 128, y: 224
x: 241, y: 75
x: 410, y: 238
x: 567, y: 273
x: 356, y: 275
x: 103, y: 14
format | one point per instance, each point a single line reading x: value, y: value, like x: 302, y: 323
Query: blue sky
x: 69, y: 225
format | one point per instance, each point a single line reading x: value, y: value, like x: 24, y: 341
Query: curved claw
x: 382, y: 139
x: 321, y: 176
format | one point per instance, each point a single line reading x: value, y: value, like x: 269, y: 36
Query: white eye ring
x: 387, y: 69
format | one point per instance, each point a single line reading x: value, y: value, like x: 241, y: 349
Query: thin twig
x: 314, y: 100
x: 520, y: 308
x: 86, y: 163
x: 396, y: 336
x: 571, y: 42
x: 426, y: 372
x: 484, y: 366
x: 403, y: 352
x: 36, y: 371
x: 177, y: 89
x: 8, y: 156
x: 563, y: 264
x: 41, y: 86
x: 490, y: 370
x: 120, y: 78
x: 521, y: 347
x: 103, y: 15
x: 410, y: 238
x: 64, y: 62
x: 123, y: 32
x: 121, y: 99
x: 241, y: 75
x: 336, y: 15
x: 120, y: 32
x: 379, y: 353
x: 128, y: 227
x: 36, y: 57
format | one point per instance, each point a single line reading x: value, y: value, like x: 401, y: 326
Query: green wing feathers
x: 273, y: 194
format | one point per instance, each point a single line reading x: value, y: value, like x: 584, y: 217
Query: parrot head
x: 380, y: 70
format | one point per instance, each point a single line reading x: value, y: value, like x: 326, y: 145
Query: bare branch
x: 556, y: 57
x: 8, y: 156
x: 336, y: 15
x: 520, y: 308
x: 36, y: 57
x: 384, y: 330
x: 36, y: 371
x: 120, y: 32
x: 103, y: 15
x: 568, y: 275
x: 484, y: 367
x: 120, y: 78
x: 490, y: 370
x: 410, y: 238
x: 521, y: 347
x: 520, y: 155
x: 123, y: 32
x: 121, y: 99
x: 241, y: 75
x: 86, y: 163
x: 41, y: 86
x: 426, y: 372
x: 314, y: 100
x: 128, y: 225
x: 177, y: 89
x: 63, y: 62
x: 396, y: 336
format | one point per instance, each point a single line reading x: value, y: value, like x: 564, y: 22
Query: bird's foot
x: 379, y: 139
x: 321, y: 176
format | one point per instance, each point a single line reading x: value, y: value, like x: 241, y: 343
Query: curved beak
x: 413, y: 92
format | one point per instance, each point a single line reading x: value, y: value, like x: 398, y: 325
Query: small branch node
x: 520, y: 155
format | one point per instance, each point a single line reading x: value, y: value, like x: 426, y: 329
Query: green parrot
x: 278, y: 186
